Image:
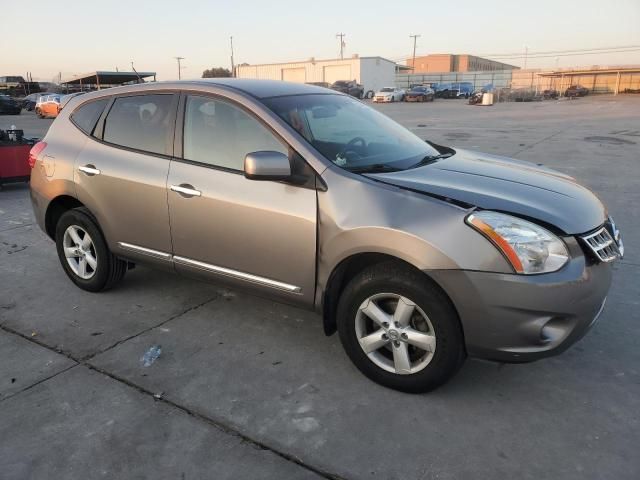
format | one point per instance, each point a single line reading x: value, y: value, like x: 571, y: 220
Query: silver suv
x: 416, y: 253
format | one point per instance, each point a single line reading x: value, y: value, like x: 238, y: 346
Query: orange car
x: 48, y: 106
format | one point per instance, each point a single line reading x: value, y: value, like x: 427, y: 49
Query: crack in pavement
x: 173, y: 317
x: 16, y: 227
x: 219, y: 425
x: 539, y: 141
x: 29, y: 387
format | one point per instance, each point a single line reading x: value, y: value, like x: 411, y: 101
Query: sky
x: 91, y: 36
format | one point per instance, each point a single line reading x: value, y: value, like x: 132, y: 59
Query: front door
x: 122, y: 179
x: 257, y: 234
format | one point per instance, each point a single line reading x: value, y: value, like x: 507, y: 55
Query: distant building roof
x: 107, y: 78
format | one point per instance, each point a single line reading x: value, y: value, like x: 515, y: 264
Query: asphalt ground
x: 248, y: 388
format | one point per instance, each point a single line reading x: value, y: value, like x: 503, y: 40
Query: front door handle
x: 89, y: 170
x: 186, y: 190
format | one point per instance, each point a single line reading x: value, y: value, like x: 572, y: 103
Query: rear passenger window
x: 88, y: 114
x: 141, y: 122
x: 220, y: 134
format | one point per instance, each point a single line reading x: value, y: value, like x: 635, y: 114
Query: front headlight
x: 528, y: 247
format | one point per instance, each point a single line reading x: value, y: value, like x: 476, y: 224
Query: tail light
x: 35, y: 151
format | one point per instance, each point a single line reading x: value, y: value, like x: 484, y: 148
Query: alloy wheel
x: 80, y: 252
x: 395, y: 333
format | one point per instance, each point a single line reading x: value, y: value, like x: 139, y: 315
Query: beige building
x: 446, y: 62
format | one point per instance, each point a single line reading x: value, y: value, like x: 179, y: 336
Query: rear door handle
x: 89, y: 170
x: 186, y: 190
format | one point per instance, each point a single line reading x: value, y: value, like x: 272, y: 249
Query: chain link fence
x: 527, y: 85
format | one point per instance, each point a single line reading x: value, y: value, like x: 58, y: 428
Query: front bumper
x: 382, y: 99
x: 520, y: 318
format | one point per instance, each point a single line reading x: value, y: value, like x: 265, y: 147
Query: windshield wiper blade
x: 430, y: 159
x: 376, y: 168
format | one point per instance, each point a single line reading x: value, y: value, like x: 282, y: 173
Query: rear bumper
x: 518, y: 318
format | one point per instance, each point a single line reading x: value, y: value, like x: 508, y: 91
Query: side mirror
x: 267, y: 166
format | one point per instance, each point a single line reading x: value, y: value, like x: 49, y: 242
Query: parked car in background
x: 453, y: 89
x: 29, y: 102
x: 576, y: 91
x: 550, y: 94
x: 445, y: 90
x: 419, y: 94
x: 465, y: 89
x: 417, y: 254
x: 320, y: 84
x: 9, y: 106
x: 48, y: 106
x: 389, y: 94
x: 350, y: 87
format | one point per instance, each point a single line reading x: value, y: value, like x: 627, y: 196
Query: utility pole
x: 341, y: 37
x: 526, y: 52
x: 179, y: 67
x: 413, y: 63
x: 233, y: 73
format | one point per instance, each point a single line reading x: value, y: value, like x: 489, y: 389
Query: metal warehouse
x: 372, y: 72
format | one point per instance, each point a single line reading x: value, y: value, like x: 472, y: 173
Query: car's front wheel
x: 400, y: 329
x: 84, y: 254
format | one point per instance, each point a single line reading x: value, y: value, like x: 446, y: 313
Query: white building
x: 372, y: 72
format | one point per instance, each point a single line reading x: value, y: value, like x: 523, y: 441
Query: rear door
x: 121, y: 174
x: 256, y: 234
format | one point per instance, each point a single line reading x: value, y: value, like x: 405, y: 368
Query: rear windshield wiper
x: 430, y: 159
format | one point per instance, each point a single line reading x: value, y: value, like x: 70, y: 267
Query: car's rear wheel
x: 400, y: 329
x: 84, y: 254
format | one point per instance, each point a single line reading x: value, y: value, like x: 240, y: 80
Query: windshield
x: 418, y: 89
x: 387, y: 89
x: 351, y: 134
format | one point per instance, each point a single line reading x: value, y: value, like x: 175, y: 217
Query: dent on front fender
x: 359, y: 215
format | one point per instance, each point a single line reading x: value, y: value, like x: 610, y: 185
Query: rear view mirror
x: 324, y: 112
x: 267, y: 166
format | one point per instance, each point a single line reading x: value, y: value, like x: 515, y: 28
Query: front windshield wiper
x: 430, y: 159
x: 375, y: 168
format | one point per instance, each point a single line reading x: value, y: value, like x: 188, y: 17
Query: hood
x: 504, y: 184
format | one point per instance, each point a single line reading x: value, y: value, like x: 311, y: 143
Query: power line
x: 546, y: 54
x: 563, y: 54
x: 556, y: 52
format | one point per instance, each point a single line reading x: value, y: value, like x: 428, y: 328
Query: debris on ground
x: 151, y: 355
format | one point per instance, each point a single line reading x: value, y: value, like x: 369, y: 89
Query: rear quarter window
x: 86, y: 117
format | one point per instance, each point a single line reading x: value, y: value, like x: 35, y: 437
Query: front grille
x: 602, y: 245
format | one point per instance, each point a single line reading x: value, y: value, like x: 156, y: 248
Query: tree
x: 217, y: 72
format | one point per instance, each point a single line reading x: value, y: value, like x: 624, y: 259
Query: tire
x: 107, y: 269
x: 432, y: 315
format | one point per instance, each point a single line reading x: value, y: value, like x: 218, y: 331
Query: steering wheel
x: 348, y: 151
